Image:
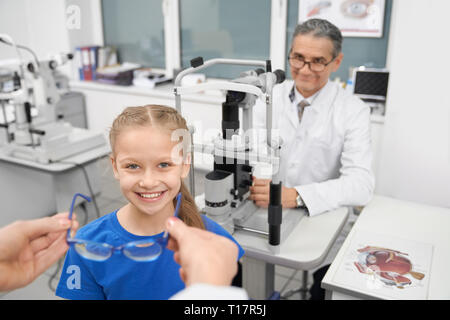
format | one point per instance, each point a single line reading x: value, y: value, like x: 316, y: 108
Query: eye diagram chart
x: 386, y: 267
x: 355, y: 18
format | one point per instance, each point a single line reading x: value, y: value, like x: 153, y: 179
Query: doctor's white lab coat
x: 327, y: 157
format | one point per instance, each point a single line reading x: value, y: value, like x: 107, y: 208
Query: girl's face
x: 149, y: 167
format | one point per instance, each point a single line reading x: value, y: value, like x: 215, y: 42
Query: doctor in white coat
x: 326, y: 159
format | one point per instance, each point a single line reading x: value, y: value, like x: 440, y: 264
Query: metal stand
x: 252, y: 269
x: 303, y: 290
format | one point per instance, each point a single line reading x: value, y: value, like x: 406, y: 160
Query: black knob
x: 196, y: 62
x: 27, y: 107
x: 30, y: 67
x: 281, y: 75
x: 246, y: 183
x: 52, y: 64
x: 259, y: 71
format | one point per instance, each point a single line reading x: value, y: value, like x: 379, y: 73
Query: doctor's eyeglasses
x: 142, y: 250
x: 298, y: 62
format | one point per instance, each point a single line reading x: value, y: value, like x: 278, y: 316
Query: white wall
x: 415, y: 157
x: 11, y: 12
x: 42, y: 26
x: 39, y: 25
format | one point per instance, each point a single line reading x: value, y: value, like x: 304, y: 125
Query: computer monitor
x: 371, y: 84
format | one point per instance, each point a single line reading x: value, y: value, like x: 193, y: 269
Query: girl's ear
x: 114, y: 167
x: 186, y: 166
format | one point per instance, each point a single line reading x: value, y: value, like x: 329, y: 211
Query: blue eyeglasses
x: 141, y: 250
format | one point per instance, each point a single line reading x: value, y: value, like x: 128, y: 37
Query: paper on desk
x: 111, y: 70
x: 386, y: 267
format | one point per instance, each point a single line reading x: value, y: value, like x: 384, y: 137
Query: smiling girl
x: 150, y: 159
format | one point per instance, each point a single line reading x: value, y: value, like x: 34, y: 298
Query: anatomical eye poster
x: 386, y: 267
x: 355, y: 18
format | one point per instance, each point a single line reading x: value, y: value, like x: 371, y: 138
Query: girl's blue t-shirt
x: 120, y: 277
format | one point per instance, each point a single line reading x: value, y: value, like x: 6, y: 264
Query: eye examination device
x: 238, y: 148
x: 30, y: 126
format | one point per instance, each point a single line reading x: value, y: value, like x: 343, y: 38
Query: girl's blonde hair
x: 167, y: 119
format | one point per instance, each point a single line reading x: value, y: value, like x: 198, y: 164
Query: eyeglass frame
x: 162, y: 241
x: 309, y: 63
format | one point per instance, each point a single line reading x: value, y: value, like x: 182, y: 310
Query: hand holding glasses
x: 141, y: 250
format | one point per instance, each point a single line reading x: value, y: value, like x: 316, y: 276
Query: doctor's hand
x: 204, y: 257
x: 28, y: 248
x: 260, y: 190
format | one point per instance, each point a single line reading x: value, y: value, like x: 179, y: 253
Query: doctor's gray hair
x: 323, y: 29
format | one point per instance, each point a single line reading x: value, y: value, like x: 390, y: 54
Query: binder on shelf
x: 89, y: 59
x: 87, y: 68
x: 93, y: 51
x: 78, y: 63
x: 110, y: 56
x: 101, y: 57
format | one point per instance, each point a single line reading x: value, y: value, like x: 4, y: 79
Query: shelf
x: 161, y: 91
x: 166, y: 91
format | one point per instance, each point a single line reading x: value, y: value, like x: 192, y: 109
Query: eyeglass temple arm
x: 88, y: 199
x: 178, y: 205
x: 175, y: 214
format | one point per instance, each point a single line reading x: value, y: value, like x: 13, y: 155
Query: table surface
x: 307, y: 245
x: 420, y: 223
x: 80, y: 158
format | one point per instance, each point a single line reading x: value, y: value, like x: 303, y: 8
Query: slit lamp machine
x: 227, y: 187
x: 37, y: 132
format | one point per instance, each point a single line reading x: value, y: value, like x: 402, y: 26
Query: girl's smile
x: 151, y: 196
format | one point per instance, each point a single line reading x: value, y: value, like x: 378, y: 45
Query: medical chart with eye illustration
x: 355, y: 18
x: 385, y: 267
